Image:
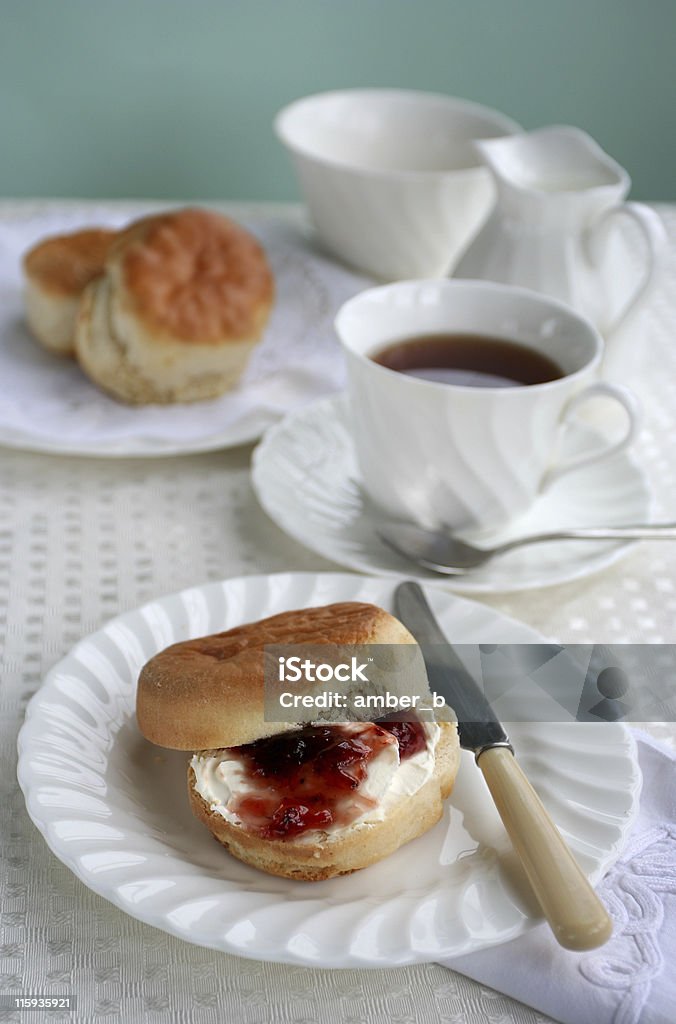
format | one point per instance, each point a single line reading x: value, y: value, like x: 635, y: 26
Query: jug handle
x: 655, y: 236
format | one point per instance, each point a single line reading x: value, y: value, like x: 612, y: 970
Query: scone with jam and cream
x: 300, y: 801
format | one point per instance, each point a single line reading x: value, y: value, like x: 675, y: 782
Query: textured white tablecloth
x: 83, y: 539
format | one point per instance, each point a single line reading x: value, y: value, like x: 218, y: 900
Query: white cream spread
x: 221, y: 781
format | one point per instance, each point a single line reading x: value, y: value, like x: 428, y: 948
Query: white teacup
x: 459, y: 456
x: 391, y: 179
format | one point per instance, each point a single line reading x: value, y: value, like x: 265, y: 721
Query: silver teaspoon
x: 443, y: 553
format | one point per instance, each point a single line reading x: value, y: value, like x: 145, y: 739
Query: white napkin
x: 633, y: 977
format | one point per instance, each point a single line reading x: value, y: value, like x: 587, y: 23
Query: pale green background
x: 175, y: 98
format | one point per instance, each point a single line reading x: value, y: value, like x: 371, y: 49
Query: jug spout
x: 558, y: 159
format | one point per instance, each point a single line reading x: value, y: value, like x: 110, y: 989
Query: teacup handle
x: 655, y: 237
x: 629, y: 403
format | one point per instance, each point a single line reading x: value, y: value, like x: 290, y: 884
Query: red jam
x: 410, y: 736
x: 310, y: 778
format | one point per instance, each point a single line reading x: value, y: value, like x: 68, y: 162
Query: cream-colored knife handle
x: 576, y: 915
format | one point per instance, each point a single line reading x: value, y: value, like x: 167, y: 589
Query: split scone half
x: 304, y: 801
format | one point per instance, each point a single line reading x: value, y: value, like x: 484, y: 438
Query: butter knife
x: 574, y: 912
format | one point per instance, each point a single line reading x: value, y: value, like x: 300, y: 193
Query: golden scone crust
x: 194, y: 276
x: 184, y: 299
x: 65, y: 264
x: 208, y: 693
x: 352, y: 848
x: 57, y: 270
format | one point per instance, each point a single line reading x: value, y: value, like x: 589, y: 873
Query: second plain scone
x: 184, y: 298
x: 57, y: 270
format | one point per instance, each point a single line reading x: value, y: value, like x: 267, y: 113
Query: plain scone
x: 208, y: 694
x: 57, y: 270
x: 183, y: 300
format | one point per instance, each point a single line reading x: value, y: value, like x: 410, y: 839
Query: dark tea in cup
x: 468, y: 360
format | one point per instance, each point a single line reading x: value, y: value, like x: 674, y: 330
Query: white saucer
x: 306, y: 478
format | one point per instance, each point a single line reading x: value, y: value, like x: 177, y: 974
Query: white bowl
x: 391, y: 179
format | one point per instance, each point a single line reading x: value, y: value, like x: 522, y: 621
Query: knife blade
x: 575, y: 914
x: 478, y: 727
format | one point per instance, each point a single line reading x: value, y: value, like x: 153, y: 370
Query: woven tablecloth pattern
x: 84, y: 539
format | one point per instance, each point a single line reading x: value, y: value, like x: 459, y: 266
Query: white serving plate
x: 114, y: 808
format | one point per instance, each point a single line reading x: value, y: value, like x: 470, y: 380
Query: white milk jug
x: 553, y: 228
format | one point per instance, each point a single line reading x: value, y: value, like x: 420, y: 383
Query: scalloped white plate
x: 305, y: 475
x: 114, y: 808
